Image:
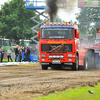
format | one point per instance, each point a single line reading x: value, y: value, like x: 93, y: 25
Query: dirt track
x: 28, y: 81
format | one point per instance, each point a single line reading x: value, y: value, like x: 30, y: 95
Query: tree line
x: 15, y: 20
x: 16, y: 23
x: 88, y: 20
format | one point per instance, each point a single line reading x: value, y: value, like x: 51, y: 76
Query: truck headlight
x: 54, y: 56
x: 69, y: 55
x: 62, y: 56
x: 58, y: 56
x: 42, y: 55
x: 50, y: 56
x: 69, y: 59
x: 43, y: 59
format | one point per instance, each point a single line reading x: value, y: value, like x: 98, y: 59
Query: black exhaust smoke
x: 52, y: 8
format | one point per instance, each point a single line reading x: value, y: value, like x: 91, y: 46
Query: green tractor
x: 25, y: 42
x: 5, y: 43
x: 28, y: 43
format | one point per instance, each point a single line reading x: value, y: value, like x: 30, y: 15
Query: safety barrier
x: 15, y: 63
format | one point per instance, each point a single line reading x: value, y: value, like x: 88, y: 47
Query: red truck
x: 59, y: 46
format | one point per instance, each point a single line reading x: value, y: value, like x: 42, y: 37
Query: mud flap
x: 85, y: 67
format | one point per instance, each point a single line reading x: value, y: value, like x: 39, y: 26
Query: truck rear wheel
x: 44, y: 67
x: 75, y: 65
x: 91, y: 59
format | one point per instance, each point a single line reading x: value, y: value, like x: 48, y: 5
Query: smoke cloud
x: 53, y: 6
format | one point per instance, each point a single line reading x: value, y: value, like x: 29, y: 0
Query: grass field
x: 79, y: 93
x: 6, y: 60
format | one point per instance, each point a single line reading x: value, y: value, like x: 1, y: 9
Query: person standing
x: 18, y: 59
x: 20, y: 55
x: 16, y: 53
x: 23, y: 51
x: 35, y: 51
x: 27, y: 53
x: 9, y: 54
x: 2, y: 53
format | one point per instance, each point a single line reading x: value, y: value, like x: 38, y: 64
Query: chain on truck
x: 59, y: 47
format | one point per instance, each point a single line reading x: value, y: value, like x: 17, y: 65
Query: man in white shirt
x: 9, y: 54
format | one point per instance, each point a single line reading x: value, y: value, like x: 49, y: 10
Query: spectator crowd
x: 1, y: 53
x: 21, y: 54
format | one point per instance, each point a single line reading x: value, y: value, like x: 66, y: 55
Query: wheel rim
x: 86, y: 65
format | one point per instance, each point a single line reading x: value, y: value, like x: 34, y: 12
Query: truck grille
x: 58, y: 47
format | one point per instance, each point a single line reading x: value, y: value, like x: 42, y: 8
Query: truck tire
x: 91, y: 59
x: 75, y: 65
x: 44, y: 67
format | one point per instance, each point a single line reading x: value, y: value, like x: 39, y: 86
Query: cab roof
x: 59, y: 26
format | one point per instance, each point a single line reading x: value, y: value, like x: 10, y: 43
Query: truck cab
x: 58, y: 45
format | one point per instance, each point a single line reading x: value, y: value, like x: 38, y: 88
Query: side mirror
x: 38, y: 35
x: 77, y: 34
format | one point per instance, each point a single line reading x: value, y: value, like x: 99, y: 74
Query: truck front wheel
x: 44, y: 67
x: 75, y: 65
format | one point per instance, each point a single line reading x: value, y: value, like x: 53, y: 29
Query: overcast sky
x: 63, y: 14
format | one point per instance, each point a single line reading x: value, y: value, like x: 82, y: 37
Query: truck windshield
x: 57, y: 34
